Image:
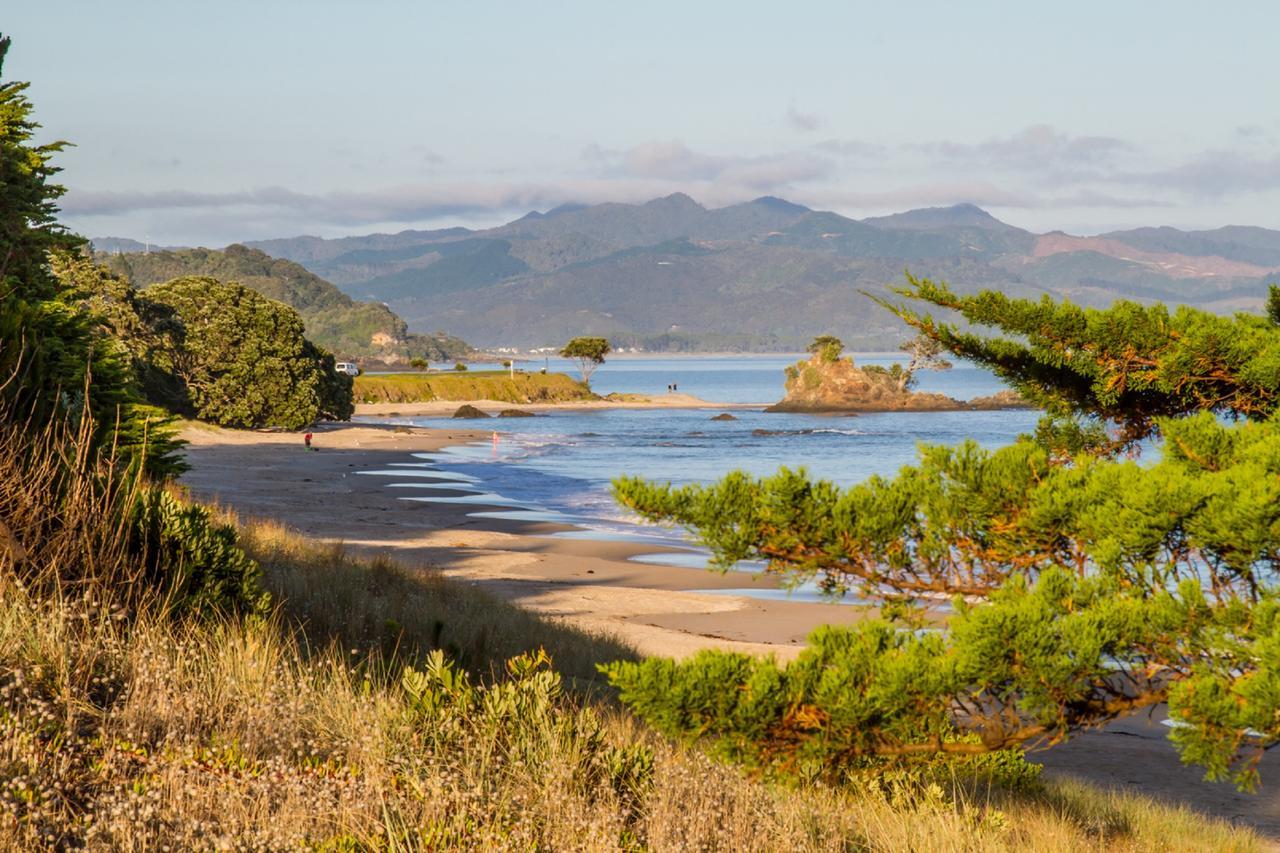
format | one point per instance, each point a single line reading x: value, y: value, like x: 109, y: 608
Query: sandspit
x: 444, y: 408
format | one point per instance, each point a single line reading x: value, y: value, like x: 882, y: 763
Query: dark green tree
x: 242, y: 360
x: 589, y: 352
x: 828, y: 347
x: 56, y: 364
x: 1082, y: 585
x: 84, y: 455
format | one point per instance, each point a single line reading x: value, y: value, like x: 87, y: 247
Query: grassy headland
x: 498, y: 385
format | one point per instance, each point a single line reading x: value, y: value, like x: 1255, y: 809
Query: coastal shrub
x: 195, y: 562
x: 1083, y: 585
x: 520, y: 719
x: 242, y: 361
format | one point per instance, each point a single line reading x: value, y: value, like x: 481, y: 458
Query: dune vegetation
x: 377, y: 707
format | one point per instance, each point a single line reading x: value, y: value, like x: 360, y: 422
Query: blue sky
x: 210, y: 123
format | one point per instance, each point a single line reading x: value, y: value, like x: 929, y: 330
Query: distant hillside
x: 765, y: 274
x: 333, y: 319
x: 115, y: 245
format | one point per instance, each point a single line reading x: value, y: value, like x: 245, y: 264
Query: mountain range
x: 764, y: 274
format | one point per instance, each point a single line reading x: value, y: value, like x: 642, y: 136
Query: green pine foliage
x: 1128, y: 364
x: 1083, y: 585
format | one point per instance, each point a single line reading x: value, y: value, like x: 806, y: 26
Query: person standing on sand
x: 306, y: 439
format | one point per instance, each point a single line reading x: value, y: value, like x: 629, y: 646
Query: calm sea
x: 559, y: 466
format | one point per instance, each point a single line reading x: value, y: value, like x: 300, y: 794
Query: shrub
x: 194, y: 561
x: 242, y: 361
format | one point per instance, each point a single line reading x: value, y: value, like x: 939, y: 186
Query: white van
x: 347, y: 367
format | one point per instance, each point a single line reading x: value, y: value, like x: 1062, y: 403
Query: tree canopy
x: 828, y: 347
x: 56, y: 363
x: 1128, y: 365
x: 1075, y: 586
x: 242, y: 360
x: 589, y: 352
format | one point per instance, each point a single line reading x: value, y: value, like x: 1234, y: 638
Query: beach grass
x: 498, y: 385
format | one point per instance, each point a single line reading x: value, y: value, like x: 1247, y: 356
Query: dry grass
x: 123, y: 729
x: 376, y: 606
x: 231, y: 735
x: 470, y: 385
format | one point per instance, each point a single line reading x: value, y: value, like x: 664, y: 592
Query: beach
x: 658, y: 610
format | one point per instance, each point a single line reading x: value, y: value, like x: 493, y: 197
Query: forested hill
x: 333, y: 319
x: 765, y: 274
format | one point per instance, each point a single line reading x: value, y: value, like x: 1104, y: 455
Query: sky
x: 210, y: 123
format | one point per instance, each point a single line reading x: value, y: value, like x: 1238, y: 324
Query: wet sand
x: 660, y: 610
x: 591, y: 583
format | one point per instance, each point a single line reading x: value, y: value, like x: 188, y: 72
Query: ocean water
x: 558, y: 466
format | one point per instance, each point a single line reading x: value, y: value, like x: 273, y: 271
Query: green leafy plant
x: 195, y: 562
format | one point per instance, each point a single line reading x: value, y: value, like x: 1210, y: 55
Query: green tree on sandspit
x: 1083, y: 584
x: 242, y: 359
x: 589, y: 352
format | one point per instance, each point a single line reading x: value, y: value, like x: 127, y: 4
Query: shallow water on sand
x: 558, y: 466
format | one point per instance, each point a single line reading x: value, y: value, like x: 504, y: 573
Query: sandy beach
x: 660, y: 610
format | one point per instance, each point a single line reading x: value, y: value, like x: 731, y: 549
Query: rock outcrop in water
x: 469, y: 411
x: 823, y: 384
x: 1000, y: 400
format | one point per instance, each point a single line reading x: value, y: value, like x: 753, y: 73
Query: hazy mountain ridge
x: 765, y: 273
